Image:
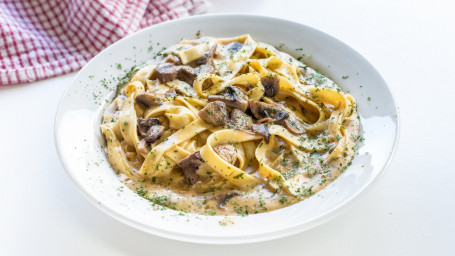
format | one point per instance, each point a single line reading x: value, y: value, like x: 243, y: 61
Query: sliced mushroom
x: 147, y: 100
x: 240, y: 120
x: 271, y: 85
x: 233, y: 98
x: 223, y: 199
x: 227, y: 152
x: 170, y: 93
x: 189, y: 166
x: 215, y: 113
x: 144, y: 124
x: 294, y: 125
x: 261, y: 129
x: 208, y: 57
x: 171, y: 69
x: 173, y: 59
x: 268, y: 112
x: 166, y: 72
x: 187, y: 74
x: 154, y: 133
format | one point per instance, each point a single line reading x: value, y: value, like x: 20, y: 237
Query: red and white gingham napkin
x: 46, y: 38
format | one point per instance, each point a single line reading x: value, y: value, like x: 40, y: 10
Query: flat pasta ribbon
x: 228, y: 171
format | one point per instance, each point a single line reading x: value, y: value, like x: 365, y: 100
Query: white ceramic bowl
x: 80, y: 143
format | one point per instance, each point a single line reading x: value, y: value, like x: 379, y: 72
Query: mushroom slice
x: 268, y: 112
x: 208, y: 57
x: 154, y: 133
x: 261, y: 129
x: 215, y: 113
x: 240, y: 120
x: 170, y: 93
x: 223, y: 199
x: 147, y: 100
x: 173, y: 59
x: 294, y: 125
x: 189, y: 165
x: 233, y: 98
x: 271, y: 85
x: 144, y: 124
x: 227, y: 152
x: 166, y: 72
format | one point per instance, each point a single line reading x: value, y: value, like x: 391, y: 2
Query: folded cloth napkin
x: 46, y: 38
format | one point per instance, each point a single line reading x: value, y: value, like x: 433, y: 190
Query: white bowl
x: 80, y: 143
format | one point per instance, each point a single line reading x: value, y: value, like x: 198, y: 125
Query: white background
x: 409, y: 212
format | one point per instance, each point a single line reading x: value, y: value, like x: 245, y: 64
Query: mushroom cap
x: 154, y: 133
x: 189, y: 166
x: 147, y: 100
x: 208, y: 57
x: 268, y: 112
x: 224, y: 198
x: 173, y: 59
x: 271, y: 85
x: 293, y: 125
x: 233, y: 98
x: 261, y: 129
x: 144, y: 124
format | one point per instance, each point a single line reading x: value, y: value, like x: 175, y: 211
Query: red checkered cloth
x: 46, y: 38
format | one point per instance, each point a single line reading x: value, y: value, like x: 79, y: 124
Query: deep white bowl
x: 80, y: 143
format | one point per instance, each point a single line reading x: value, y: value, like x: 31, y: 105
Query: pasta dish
x: 227, y: 126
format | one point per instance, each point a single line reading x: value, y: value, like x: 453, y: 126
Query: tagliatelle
x: 228, y: 171
x: 229, y: 126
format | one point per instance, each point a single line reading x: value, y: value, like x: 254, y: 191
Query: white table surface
x: 409, y: 212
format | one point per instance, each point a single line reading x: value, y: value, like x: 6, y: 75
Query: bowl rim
x: 230, y: 239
